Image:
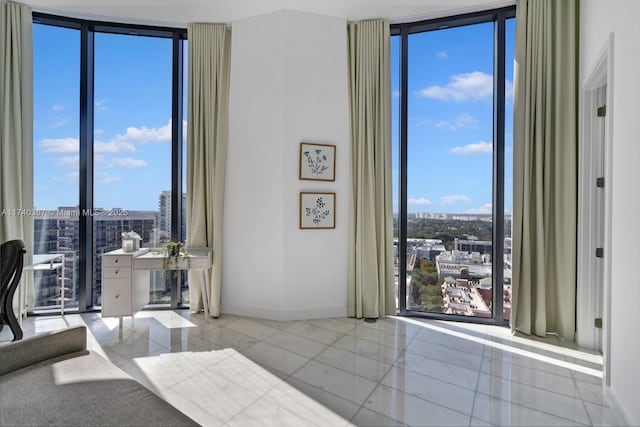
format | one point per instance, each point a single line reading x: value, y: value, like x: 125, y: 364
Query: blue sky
x: 132, y: 150
x: 450, y: 110
x: 450, y: 119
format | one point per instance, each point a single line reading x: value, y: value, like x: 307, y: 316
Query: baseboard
x: 284, y: 315
x: 616, y: 408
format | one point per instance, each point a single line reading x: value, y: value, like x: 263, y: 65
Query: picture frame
x: 317, y: 210
x: 317, y: 162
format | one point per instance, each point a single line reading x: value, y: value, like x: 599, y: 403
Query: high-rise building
x: 473, y: 245
x: 164, y: 203
x: 56, y: 231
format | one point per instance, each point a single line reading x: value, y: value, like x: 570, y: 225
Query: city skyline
x: 57, y: 231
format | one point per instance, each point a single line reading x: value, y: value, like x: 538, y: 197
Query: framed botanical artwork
x: 317, y: 162
x: 317, y: 210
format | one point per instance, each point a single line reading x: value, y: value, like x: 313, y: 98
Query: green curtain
x: 545, y: 167
x: 16, y: 126
x: 371, y: 279
x: 209, y: 60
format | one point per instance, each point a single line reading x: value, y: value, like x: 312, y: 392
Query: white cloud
x: 419, y: 121
x: 69, y: 161
x: 73, y: 176
x: 101, y: 104
x: 109, y: 179
x: 441, y: 54
x: 58, y: 123
x: 419, y: 202
x: 464, y: 120
x: 395, y: 93
x: 70, y: 145
x: 462, y: 87
x: 112, y: 147
x: 59, y: 145
x: 184, y: 131
x: 121, y: 143
x: 484, y: 209
x: 57, y: 107
x: 129, y: 163
x: 145, y: 134
x: 480, y: 147
x: 454, y: 198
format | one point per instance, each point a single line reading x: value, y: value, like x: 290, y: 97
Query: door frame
x: 601, y: 74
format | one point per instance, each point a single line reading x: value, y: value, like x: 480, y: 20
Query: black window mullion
x: 459, y: 20
x: 85, y: 226
x: 498, y: 168
x: 402, y: 205
x: 176, y: 156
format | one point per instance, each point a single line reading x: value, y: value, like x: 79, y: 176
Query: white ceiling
x: 182, y: 12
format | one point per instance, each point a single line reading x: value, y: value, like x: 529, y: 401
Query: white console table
x: 125, y: 278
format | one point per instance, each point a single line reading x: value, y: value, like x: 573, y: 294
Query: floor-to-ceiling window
x: 452, y: 144
x: 56, y: 166
x: 109, y: 148
x: 132, y: 147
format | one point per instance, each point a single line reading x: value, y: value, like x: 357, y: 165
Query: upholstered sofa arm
x: 20, y: 354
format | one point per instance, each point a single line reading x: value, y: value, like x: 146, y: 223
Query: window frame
x: 87, y: 29
x: 403, y: 30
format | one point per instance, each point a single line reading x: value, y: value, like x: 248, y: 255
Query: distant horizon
x: 506, y: 214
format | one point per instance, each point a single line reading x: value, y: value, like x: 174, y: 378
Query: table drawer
x: 116, y: 297
x: 116, y: 260
x: 116, y: 272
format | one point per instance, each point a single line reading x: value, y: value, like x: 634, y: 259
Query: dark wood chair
x: 11, y: 262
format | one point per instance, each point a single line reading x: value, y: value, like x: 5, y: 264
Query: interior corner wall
x: 598, y: 20
x: 289, y: 83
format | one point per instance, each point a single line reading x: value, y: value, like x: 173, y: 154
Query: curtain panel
x: 207, y: 129
x: 545, y: 167
x: 16, y: 126
x: 371, y: 279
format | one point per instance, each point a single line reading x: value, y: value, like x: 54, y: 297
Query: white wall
x: 598, y: 19
x: 289, y: 83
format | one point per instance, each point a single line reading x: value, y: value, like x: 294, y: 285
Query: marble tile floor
x: 239, y: 371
